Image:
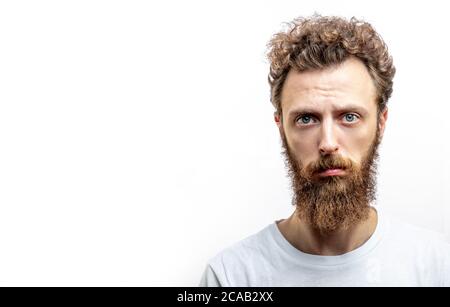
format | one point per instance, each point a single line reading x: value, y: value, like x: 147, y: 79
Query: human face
x: 330, y: 134
x: 330, y: 112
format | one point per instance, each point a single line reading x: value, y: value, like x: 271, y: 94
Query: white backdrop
x: 137, y: 137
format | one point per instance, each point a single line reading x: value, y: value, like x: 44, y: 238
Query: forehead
x: 336, y: 86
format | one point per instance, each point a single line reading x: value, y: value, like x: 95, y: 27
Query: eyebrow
x: 313, y: 111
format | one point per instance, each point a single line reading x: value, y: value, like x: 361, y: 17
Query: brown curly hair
x: 317, y: 42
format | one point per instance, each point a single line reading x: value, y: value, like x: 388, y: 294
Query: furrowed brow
x: 312, y: 111
x: 302, y: 111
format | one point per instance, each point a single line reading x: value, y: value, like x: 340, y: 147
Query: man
x: 330, y: 81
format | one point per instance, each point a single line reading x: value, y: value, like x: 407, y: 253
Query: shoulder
x: 240, y: 257
x: 425, y: 247
x: 413, y: 252
x: 250, y: 247
x: 414, y: 235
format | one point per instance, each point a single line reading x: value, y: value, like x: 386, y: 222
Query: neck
x: 309, y: 240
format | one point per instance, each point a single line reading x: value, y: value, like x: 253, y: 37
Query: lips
x: 332, y: 172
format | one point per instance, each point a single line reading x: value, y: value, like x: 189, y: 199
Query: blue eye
x: 350, y: 117
x: 304, y: 119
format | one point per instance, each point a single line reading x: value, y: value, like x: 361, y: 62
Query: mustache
x: 329, y: 162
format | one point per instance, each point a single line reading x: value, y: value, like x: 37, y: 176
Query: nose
x: 328, y: 144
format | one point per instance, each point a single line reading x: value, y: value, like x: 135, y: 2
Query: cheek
x: 304, y: 147
x: 356, y: 143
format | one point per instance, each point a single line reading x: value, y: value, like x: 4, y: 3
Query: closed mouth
x: 334, y: 171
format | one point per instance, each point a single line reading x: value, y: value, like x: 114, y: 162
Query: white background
x: 137, y: 137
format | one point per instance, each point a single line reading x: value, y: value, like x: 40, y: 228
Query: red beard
x: 334, y: 202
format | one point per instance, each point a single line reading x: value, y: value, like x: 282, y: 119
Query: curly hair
x: 321, y: 41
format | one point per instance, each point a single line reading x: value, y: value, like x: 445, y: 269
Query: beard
x: 333, y: 202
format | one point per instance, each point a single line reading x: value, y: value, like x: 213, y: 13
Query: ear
x: 382, y: 121
x: 278, y: 120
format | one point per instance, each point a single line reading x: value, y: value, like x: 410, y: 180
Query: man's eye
x: 350, y: 117
x: 304, y: 119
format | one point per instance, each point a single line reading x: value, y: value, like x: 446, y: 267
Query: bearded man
x: 330, y: 81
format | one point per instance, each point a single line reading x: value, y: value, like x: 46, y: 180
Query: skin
x: 332, y: 111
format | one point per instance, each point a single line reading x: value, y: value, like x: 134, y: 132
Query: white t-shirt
x: 397, y: 254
